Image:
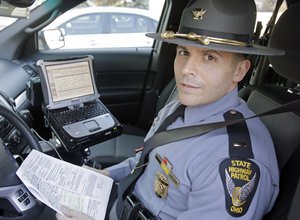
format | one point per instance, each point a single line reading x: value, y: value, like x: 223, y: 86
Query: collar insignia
x: 198, y: 13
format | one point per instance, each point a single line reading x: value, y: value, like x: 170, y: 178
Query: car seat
x: 284, y: 127
x: 120, y: 148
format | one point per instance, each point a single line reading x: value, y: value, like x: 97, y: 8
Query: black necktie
x: 171, y: 118
x: 127, y: 183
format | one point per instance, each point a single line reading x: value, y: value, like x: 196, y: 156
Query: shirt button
x: 232, y: 112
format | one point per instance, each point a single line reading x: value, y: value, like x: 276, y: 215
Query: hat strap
x: 205, y: 40
x: 223, y: 35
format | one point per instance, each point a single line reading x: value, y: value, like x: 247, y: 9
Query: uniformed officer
x: 212, y: 176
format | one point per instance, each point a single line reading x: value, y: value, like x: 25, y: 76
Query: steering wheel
x: 15, y: 199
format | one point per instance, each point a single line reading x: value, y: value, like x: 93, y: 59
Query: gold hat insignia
x: 198, y: 13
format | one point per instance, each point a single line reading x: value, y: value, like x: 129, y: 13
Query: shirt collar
x: 198, y: 113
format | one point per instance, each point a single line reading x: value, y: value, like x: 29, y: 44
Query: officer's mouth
x: 187, y: 87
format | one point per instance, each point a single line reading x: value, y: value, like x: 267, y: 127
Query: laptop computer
x: 72, y: 105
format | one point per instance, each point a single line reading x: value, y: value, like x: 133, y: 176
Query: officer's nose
x: 189, y: 67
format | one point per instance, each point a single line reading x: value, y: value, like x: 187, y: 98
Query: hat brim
x: 254, y: 49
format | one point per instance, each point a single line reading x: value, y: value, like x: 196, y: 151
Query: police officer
x: 211, y: 176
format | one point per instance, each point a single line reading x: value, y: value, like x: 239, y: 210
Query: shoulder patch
x: 240, y: 178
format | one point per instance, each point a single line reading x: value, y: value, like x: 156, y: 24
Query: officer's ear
x: 241, y: 69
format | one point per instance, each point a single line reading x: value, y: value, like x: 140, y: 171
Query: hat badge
x: 198, y: 13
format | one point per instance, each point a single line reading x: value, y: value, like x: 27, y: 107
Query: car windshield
x: 6, y: 21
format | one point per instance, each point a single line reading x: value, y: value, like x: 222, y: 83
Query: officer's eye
x: 210, y: 57
x: 182, y: 52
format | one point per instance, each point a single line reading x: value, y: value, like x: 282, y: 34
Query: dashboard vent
x: 30, y: 71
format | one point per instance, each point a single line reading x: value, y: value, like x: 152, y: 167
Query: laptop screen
x: 67, y: 82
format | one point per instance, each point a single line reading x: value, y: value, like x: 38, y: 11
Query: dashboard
x: 14, y: 76
x: 20, y: 91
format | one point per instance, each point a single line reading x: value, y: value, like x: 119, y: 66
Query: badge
x: 240, y: 178
x: 198, y: 13
x: 161, y: 185
x: 167, y: 168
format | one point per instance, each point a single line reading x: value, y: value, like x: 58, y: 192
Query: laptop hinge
x: 75, y: 104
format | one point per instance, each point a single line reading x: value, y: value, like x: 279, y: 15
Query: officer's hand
x: 70, y: 214
x: 104, y: 172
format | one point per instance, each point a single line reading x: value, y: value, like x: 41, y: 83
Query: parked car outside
x: 105, y: 27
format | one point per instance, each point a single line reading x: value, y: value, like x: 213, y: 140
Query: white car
x: 105, y: 27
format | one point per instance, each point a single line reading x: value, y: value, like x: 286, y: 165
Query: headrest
x: 286, y: 36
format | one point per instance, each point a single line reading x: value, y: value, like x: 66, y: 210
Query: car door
x: 121, y: 65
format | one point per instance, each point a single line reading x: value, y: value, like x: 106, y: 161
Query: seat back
x: 285, y: 127
x: 168, y: 94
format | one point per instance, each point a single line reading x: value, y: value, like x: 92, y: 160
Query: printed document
x: 56, y: 182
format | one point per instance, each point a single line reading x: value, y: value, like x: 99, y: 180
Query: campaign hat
x: 223, y: 25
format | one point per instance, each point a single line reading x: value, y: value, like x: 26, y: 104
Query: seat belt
x: 182, y: 133
x: 177, y: 134
x: 272, y: 21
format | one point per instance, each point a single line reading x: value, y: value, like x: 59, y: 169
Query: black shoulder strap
x: 239, y: 138
x: 272, y: 21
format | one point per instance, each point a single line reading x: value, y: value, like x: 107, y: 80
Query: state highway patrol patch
x: 240, y: 178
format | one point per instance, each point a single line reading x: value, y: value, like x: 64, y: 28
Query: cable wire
x: 47, y: 142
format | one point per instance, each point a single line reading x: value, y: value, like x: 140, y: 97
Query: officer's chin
x: 187, y: 99
x: 194, y: 99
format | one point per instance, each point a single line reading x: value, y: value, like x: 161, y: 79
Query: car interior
x: 134, y: 83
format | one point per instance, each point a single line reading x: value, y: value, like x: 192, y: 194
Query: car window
x: 103, y: 25
x: 265, y: 9
x: 95, y: 25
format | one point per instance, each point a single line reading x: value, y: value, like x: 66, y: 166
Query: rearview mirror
x: 20, y: 3
x: 52, y: 39
x: 13, y: 11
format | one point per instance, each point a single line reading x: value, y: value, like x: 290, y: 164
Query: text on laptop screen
x: 69, y: 81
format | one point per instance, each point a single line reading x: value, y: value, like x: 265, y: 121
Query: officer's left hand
x: 70, y: 214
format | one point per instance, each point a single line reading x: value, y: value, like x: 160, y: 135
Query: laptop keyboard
x: 70, y: 116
